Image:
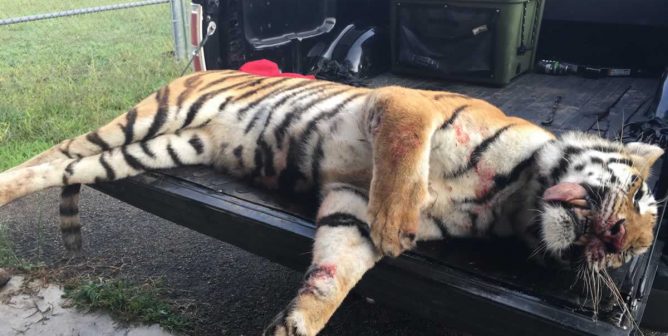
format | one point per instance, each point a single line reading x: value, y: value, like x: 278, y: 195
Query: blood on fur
x: 486, y: 176
x: 462, y: 137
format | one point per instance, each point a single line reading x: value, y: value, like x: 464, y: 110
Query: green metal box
x: 483, y: 41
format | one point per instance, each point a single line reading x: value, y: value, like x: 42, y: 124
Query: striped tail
x: 70, y: 224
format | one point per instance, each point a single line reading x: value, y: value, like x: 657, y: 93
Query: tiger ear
x: 643, y: 155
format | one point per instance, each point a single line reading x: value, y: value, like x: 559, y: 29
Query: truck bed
x: 466, y: 283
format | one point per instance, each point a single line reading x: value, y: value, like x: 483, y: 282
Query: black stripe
x: 71, y: 230
x: 272, y: 108
x: 241, y: 113
x: 257, y: 101
x: 95, y: 139
x: 132, y: 161
x: 293, y: 116
x: 254, y: 120
x: 604, y: 149
x: 613, y: 178
x: 259, y: 162
x: 454, y: 116
x: 316, y: 158
x: 111, y: 175
x: 596, y: 160
x: 441, y: 226
x: 478, y: 151
x: 221, y: 80
x: 162, y: 98
x: 269, y: 169
x: 309, y: 91
x: 69, y: 143
x: 174, y: 155
x: 311, y: 126
x: 281, y: 130
x: 64, y: 152
x: 639, y: 194
x: 128, y: 129
x: 564, y: 163
x: 238, y: 151
x: 69, y: 191
x: 197, y: 105
x: 258, y: 89
x: 292, y: 173
x: 343, y: 219
x: 503, y: 181
x: 68, y: 211
x: 623, y: 161
x: 190, y: 85
x: 147, y: 150
x: 197, y: 144
x: 350, y: 189
x: 69, y: 170
x: 222, y: 105
x: 599, y: 194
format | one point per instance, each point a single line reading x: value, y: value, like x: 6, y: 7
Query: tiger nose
x: 614, y: 237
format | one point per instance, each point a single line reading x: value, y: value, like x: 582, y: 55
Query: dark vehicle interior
x: 594, y: 66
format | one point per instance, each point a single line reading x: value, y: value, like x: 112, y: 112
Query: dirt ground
x: 227, y: 290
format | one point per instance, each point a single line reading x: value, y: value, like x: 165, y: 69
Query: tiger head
x: 596, y: 206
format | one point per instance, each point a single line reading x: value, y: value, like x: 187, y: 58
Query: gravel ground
x: 230, y: 291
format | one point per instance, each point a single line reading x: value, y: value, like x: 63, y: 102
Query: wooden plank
x: 605, y: 94
x: 637, y: 100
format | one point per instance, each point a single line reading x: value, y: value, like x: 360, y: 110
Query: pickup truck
x: 465, y: 283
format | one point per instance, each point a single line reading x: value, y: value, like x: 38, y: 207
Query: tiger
x: 388, y: 167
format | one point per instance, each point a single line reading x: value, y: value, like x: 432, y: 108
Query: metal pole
x: 177, y: 29
x: 186, y: 10
x: 79, y: 11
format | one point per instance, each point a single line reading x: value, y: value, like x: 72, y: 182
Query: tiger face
x: 597, y: 207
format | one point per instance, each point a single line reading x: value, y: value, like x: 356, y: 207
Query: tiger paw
x: 394, y: 229
x: 285, y: 324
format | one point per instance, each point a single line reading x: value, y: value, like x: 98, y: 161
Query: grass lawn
x: 63, y: 77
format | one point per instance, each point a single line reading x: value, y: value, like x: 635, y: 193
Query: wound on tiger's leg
x: 401, y: 124
x: 342, y: 253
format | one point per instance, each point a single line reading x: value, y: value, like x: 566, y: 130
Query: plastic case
x: 484, y: 41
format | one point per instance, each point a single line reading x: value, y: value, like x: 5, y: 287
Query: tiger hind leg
x: 189, y: 147
x: 342, y: 253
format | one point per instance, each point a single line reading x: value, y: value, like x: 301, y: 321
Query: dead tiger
x: 391, y: 165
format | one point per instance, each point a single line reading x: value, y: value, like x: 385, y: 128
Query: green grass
x: 63, y: 77
x: 127, y: 303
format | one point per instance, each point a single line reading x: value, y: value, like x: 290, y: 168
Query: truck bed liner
x: 483, y: 286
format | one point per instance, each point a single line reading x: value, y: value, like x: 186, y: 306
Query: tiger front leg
x: 401, y: 124
x: 342, y: 253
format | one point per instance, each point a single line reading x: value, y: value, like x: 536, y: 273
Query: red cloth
x: 268, y: 68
